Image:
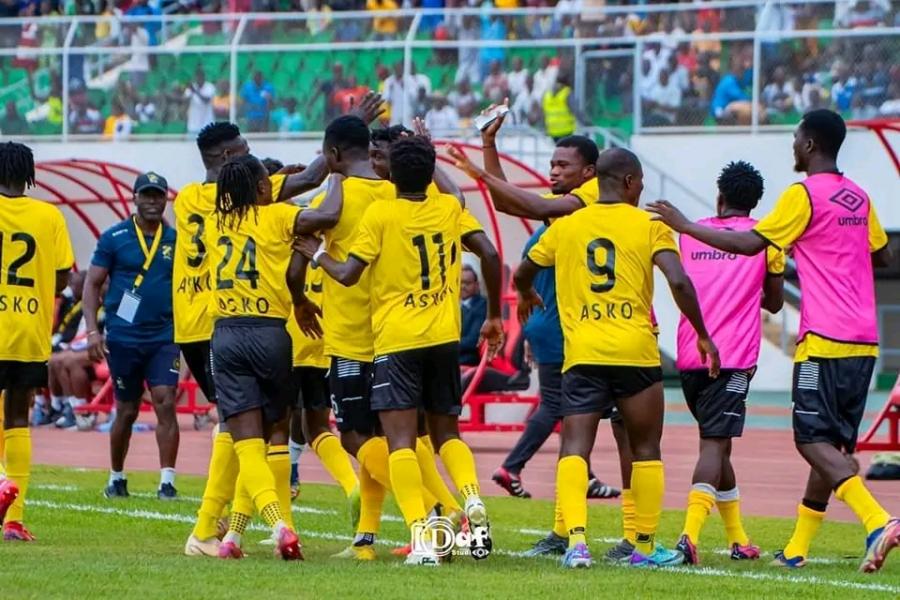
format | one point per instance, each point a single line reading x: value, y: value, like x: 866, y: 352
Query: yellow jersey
x: 34, y: 245
x: 782, y: 227
x: 194, y: 205
x: 604, y: 282
x: 346, y: 311
x: 412, y: 249
x: 309, y: 352
x: 249, y: 263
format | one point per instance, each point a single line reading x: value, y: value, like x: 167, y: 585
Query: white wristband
x: 319, y: 253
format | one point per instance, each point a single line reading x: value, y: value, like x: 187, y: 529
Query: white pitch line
x: 699, y: 572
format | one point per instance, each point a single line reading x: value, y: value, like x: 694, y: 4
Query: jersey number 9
x: 607, y: 269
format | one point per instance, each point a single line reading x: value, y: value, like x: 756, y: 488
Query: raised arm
x: 686, y: 298
x: 442, y: 179
x: 93, y: 284
x: 747, y: 243
x: 489, y: 145
x: 327, y: 214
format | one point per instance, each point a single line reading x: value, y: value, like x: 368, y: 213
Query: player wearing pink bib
x: 836, y: 237
x: 731, y: 288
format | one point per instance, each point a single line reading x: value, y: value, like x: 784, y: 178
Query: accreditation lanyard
x: 130, y: 303
x: 148, y: 254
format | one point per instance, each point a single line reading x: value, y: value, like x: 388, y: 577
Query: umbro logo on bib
x: 848, y: 199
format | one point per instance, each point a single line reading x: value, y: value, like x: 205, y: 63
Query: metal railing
x: 94, y: 51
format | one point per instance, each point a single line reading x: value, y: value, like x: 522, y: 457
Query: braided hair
x: 16, y: 165
x: 236, y: 190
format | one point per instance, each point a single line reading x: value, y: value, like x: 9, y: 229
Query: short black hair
x: 741, y: 185
x: 217, y: 133
x: 236, y: 189
x: 272, y: 165
x: 16, y: 165
x: 826, y: 128
x: 412, y: 164
x: 585, y: 146
x: 347, y: 132
x: 390, y: 134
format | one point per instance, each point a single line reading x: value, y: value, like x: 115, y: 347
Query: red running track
x: 771, y: 474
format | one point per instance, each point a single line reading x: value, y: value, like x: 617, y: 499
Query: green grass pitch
x: 90, y: 547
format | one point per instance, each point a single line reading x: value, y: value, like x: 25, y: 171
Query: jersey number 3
x: 606, y: 269
x: 12, y: 273
x: 246, y: 265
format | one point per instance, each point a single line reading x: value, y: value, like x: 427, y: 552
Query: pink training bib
x: 834, y: 263
x: 729, y: 289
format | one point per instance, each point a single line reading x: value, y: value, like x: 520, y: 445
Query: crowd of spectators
x: 680, y: 82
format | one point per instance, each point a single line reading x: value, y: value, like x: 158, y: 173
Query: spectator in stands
x: 12, y: 122
x: 418, y: 80
x: 705, y: 46
x: 441, y: 116
x: 397, y: 95
x: 705, y: 79
x: 663, y: 102
x: 287, y: 118
x: 496, y: 84
x: 421, y: 104
x: 474, y: 312
x: 516, y: 77
x: 526, y: 108
x: 138, y: 344
x: 468, y: 31
x: 199, y: 95
x: 85, y: 120
x: 430, y: 22
x: 862, y: 110
x: 464, y: 101
x: 679, y: 73
x: 561, y: 112
x: 348, y: 97
x: 257, y: 97
x: 222, y: 101
x: 778, y: 95
x: 861, y: 13
x: 142, y: 8
x: 327, y: 89
x: 891, y: 106
x: 118, y: 123
x: 545, y: 77
x: 139, y: 65
x: 873, y: 83
x: 145, y: 109
x: 844, y: 87
x: 730, y: 103
x: 492, y: 28
x: 383, y: 28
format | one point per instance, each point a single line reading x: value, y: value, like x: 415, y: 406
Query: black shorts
x: 718, y: 405
x: 829, y: 397
x: 252, y: 366
x: 198, y: 357
x: 550, y: 389
x: 350, y: 383
x: 131, y: 365
x: 426, y: 378
x: 311, y: 388
x: 597, y: 388
x: 16, y: 374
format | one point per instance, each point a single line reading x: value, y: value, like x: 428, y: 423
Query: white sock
x: 116, y: 476
x: 56, y: 402
x: 76, y: 402
x: 166, y: 475
x: 296, y: 450
x: 234, y: 538
x: 40, y: 400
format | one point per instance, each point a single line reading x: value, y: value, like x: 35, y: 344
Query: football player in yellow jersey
x: 411, y: 243
x: 37, y: 256
x: 249, y: 242
x: 604, y: 257
x: 194, y: 205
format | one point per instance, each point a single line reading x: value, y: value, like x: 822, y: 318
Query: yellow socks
x: 559, y: 524
x: 701, y: 499
x: 853, y: 493
x: 241, y: 513
x: 628, y: 515
x: 220, y: 486
x: 729, y: 505
x: 371, y: 495
x: 460, y: 465
x: 279, y: 459
x: 335, y: 460
x: 406, y: 482
x: 571, y: 496
x: 648, y: 487
x: 808, y: 523
x: 431, y: 477
x: 18, y: 468
x: 258, y: 480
